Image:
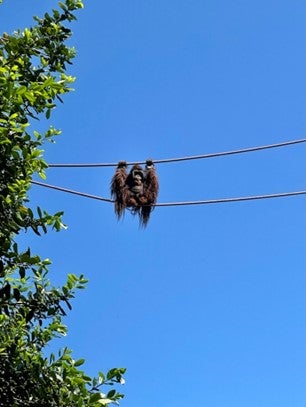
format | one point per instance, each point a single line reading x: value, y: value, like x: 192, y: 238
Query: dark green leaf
x: 79, y: 362
x: 16, y: 294
x: 111, y: 394
x: 29, y: 315
x: 22, y: 272
x: 95, y: 397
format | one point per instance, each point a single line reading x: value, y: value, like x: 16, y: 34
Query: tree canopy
x: 33, y: 79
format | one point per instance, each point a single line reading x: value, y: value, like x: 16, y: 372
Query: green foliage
x: 32, y: 81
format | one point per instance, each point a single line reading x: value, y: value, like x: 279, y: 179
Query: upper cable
x: 194, y: 157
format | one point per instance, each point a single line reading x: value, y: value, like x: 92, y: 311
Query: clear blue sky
x: 205, y: 306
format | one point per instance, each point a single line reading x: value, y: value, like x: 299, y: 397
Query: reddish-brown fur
x: 136, y: 190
